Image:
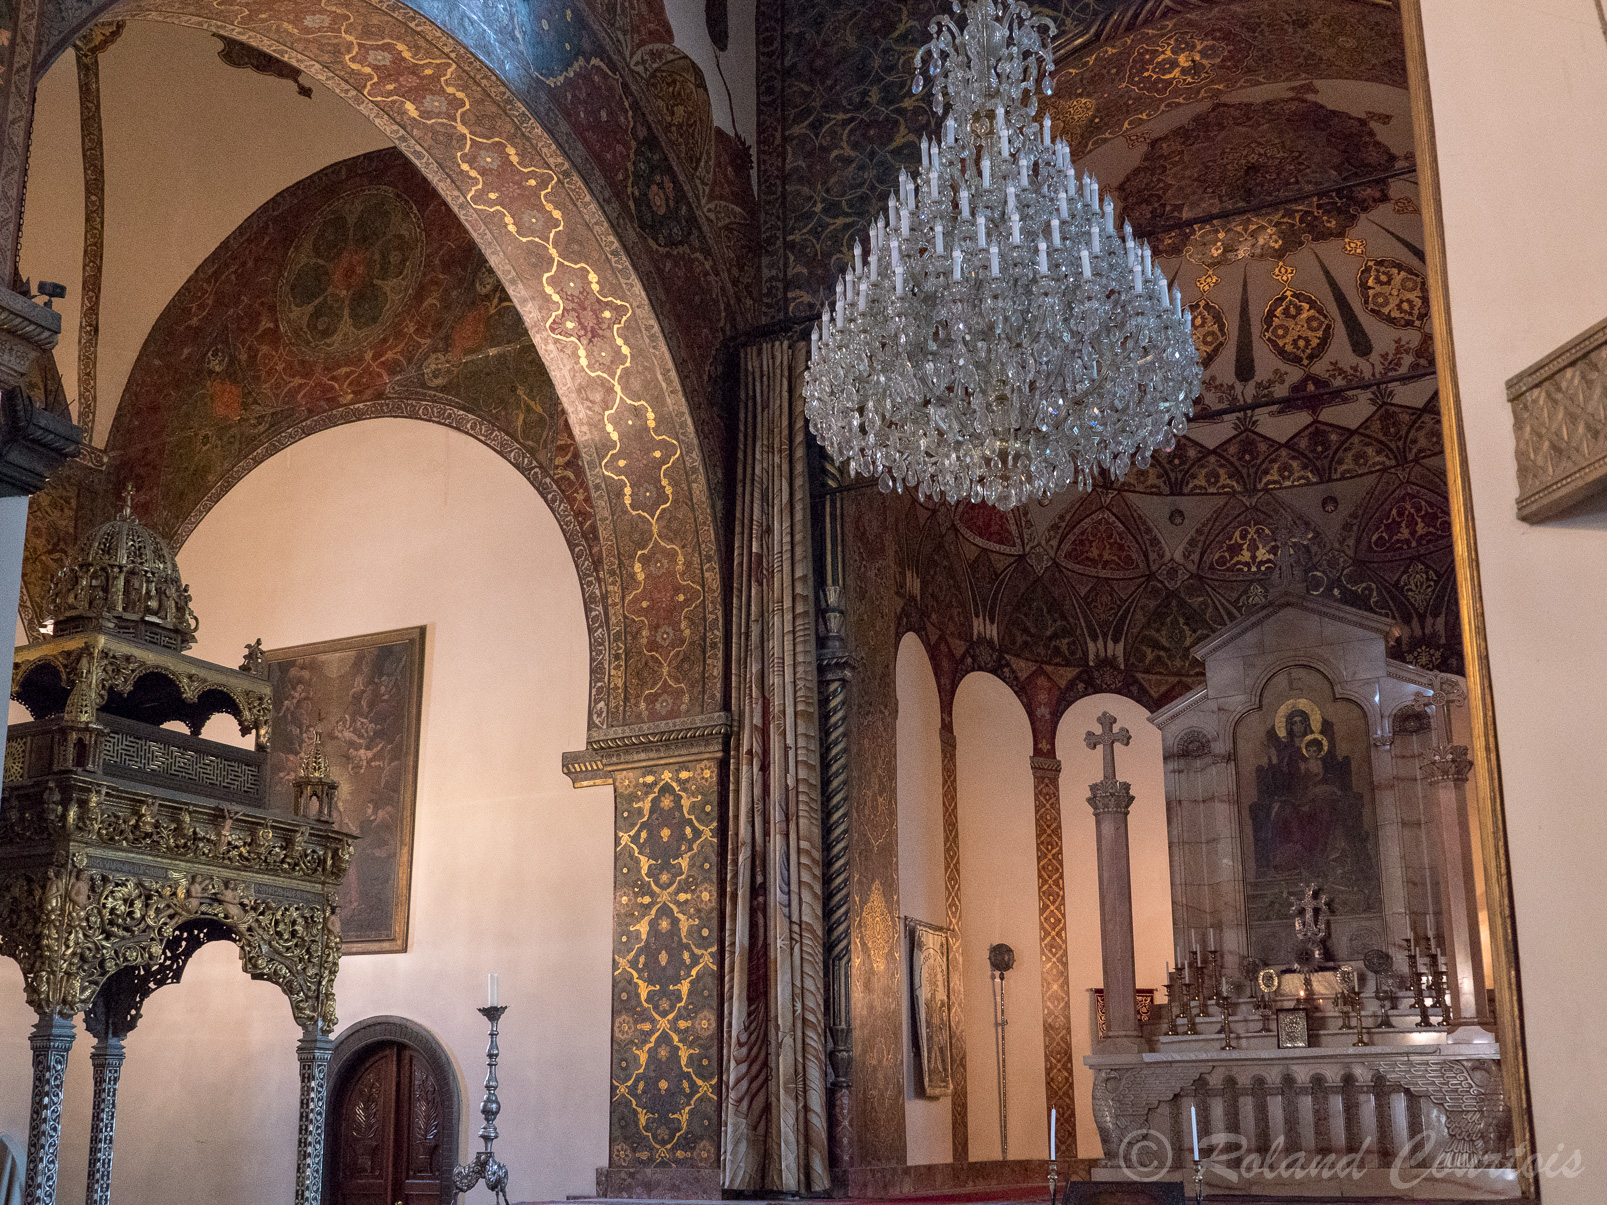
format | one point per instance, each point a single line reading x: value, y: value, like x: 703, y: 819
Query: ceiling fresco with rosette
x: 1266, y: 151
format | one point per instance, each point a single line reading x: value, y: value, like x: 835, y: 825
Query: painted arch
x: 553, y: 248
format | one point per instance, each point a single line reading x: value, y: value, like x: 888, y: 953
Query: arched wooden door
x: 387, y: 1130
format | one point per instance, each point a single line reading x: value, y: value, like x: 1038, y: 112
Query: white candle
x: 1009, y: 198
x: 1147, y: 269
x: 948, y: 132
x: 491, y: 990
x: 926, y: 155
x: 1015, y: 228
x: 987, y: 173
x: 956, y: 265
x: 1094, y: 237
x: 1138, y: 287
x: 1025, y: 178
x: 965, y: 204
x: 993, y: 258
x: 893, y: 246
x: 898, y: 279
x: 981, y: 229
x: 938, y: 232
x: 875, y: 262
x: 814, y: 340
x: 1194, y: 1124
x: 1051, y: 1111
x: 904, y: 223
x: 1054, y: 231
x: 1043, y: 258
x: 892, y: 209
x: 1087, y: 268
x: 1065, y: 211
x: 1110, y: 215
x: 1046, y: 141
x: 858, y: 264
x: 864, y: 294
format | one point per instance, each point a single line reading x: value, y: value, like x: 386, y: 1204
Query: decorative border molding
x: 1559, y: 425
x: 659, y: 743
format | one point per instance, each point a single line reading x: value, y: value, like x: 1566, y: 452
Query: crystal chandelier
x: 1000, y: 342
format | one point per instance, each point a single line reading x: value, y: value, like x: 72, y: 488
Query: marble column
x: 1111, y: 801
x: 50, y: 1041
x: 1446, y: 768
x: 1057, y: 1047
x: 312, y: 1054
x: 107, y: 1061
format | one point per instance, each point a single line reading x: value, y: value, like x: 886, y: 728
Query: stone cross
x: 1109, y: 736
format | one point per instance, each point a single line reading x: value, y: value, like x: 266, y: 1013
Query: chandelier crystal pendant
x: 1000, y: 342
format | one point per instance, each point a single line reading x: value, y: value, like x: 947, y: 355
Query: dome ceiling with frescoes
x: 1266, y: 151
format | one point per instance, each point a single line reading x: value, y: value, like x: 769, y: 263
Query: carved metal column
x: 312, y: 1053
x: 1446, y: 769
x: 1058, y: 1058
x: 1111, y: 800
x: 51, y: 1041
x: 107, y: 1061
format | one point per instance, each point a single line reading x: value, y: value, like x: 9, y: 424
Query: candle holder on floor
x: 485, y: 1165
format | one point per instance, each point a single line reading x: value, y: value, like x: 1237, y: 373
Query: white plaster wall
x: 363, y: 528
x: 1520, y: 107
x: 735, y: 99
x: 999, y: 902
x: 1138, y: 764
x: 928, y: 1126
x: 192, y: 148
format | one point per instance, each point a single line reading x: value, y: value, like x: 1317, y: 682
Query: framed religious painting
x: 361, y: 696
x: 929, y: 1007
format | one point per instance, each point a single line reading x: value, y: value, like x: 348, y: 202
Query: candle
x: 1211, y: 932
x: 875, y: 263
x: 1064, y: 211
x: 938, y: 232
x: 898, y: 279
x: 1094, y: 239
x: 1088, y: 274
x: 1194, y: 1124
x: 926, y: 155
x: 948, y: 132
x: 1110, y: 215
x: 1051, y: 1111
x: 1147, y: 269
x: 814, y: 341
x: 1043, y: 258
x: 904, y: 222
x: 981, y: 229
x: 965, y: 204
x: 1009, y: 198
x: 892, y: 209
x: 1054, y: 231
x: 993, y: 258
x: 491, y: 990
x: 1015, y: 228
x: 956, y: 265
x: 987, y: 172
x: 1046, y: 141
x: 858, y: 262
x: 1026, y: 178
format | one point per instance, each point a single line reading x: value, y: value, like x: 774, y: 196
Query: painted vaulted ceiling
x: 1266, y: 150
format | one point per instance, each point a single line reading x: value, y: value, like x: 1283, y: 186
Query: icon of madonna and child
x: 1307, y: 821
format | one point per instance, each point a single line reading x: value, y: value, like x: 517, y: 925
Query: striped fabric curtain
x: 775, y: 1021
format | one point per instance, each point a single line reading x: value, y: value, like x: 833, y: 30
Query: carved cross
x: 1109, y: 736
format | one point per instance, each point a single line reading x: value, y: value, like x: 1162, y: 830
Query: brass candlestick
x: 1054, y: 1174
x: 1419, y: 1002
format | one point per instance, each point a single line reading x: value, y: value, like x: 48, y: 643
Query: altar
x: 1327, y: 997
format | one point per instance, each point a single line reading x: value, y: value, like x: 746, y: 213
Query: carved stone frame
x: 355, y: 1041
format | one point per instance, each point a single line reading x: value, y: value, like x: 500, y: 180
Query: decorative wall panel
x: 1559, y: 420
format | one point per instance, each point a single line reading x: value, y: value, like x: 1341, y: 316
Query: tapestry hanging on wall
x: 362, y: 695
x: 929, y: 1007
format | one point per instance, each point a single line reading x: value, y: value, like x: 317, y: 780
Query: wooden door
x: 387, y: 1130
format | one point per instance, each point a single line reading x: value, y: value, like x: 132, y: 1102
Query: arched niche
x: 1140, y: 765
x: 922, y: 895
x: 357, y: 1041
x: 556, y: 250
x: 999, y: 873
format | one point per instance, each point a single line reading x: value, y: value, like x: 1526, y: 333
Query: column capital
x: 1447, y: 763
x: 662, y: 742
x: 1110, y: 797
x: 1045, y: 767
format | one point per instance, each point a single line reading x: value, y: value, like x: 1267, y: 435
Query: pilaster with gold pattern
x: 959, y: 1113
x: 664, y: 1113
x: 1058, y: 1060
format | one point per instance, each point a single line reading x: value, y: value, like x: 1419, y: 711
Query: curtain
x: 775, y: 1051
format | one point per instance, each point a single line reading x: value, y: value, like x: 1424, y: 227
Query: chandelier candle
x: 1024, y: 373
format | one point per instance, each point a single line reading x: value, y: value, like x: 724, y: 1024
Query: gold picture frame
x: 929, y: 1008
x: 364, y: 696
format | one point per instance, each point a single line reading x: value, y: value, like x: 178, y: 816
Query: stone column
x: 1111, y: 800
x: 51, y: 1041
x: 1446, y: 769
x: 107, y: 1061
x: 1057, y: 1049
x: 312, y: 1054
x: 959, y: 1106
x: 663, y: 1130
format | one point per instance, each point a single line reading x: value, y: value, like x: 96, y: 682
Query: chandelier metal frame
x: 1001, y: 342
